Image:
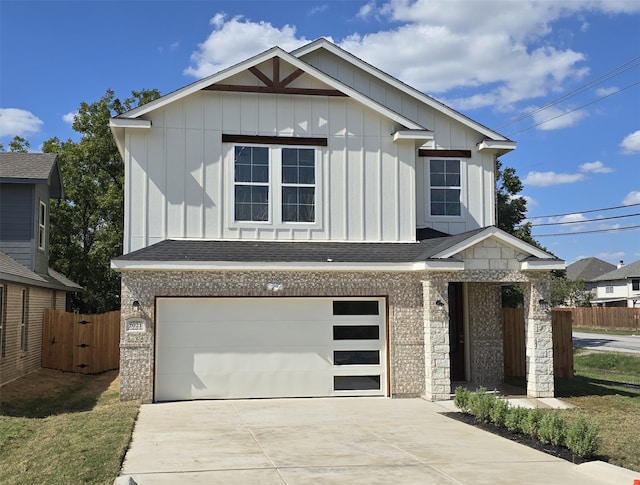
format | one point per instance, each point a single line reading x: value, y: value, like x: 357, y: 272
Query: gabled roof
x: 120, y: 121
x: 11, y: 270
x: 627, y: 271
x: 588, y: 268
x: 438, y: 251
x: 32, y: 168
x: 388, y: 79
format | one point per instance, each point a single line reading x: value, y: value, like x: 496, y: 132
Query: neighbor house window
x: 24, y: 320
x: 2, y: 319
x: 42, y: 218
x: 609, y: 289
x: 445, y: 187
x: 276, y: 184
x: 635, y: 284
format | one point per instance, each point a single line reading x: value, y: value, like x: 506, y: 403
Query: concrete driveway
x: 337, y: 440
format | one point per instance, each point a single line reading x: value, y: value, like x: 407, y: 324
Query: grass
x: 607, y: 390
x: 57, y: 427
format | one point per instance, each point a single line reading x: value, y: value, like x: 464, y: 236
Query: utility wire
x: 585, y: 221
x: 587, y: 211
x: 575, y: 109
x: 599, y: 80
x: 616, y: 229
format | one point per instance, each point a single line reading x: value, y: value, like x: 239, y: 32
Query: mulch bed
x: 557, y: 451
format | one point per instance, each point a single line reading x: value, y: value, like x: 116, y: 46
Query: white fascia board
x: 383, y: 76
x: 498, y: 145
x: 265, y: 56
x: 417, y: 135
x: 129, y: 123
x: 268, y: 266
x: 502, y: 236
x: 543, y: 265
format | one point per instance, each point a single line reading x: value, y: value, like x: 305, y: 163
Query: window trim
x: 635, y: 284
x: 275, y: 186
x: 42, y: 226
x: 429, y: 187
x: 24, y: 321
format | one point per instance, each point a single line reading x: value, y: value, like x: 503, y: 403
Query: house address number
x: 135, y: 325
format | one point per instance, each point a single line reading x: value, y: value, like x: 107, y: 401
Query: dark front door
x: 456, y: 331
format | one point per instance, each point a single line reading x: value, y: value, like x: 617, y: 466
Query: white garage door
x: 218, y: 348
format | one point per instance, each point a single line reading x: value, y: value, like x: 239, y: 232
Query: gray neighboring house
x: 619, y: 288
x: 586, y: 270
x: 303, y: 224
x: 27, y: 285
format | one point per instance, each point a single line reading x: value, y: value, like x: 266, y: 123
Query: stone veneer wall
x: 404, y: 290
x: 418, y: 329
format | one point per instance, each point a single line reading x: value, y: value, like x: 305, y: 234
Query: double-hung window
x: 274, y: 184
x: 2, y: 319
x: 445, y: 187
x: 42, y: 220
x: 24, y: 320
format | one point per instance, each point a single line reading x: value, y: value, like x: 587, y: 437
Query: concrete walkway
x: 336, y: 440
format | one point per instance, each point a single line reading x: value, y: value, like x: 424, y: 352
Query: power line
x: 588, y: 232
x: 585, y: 221
x: 575, y: 109
x: 587, y: 211
x: 599, y: 80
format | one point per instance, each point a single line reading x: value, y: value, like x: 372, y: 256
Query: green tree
x: 568, y: 293
x: 87, y: 225
x: 17, y: 144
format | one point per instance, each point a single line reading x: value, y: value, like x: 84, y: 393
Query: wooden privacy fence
x: 604, y: 317
x: 514, y: 343
x: 87, y: 344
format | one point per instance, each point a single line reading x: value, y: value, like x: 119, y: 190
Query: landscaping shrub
x: 532, y: 423
x: 480, y: 404
x: 583, y: 438
x: 552, y: 429
x: 499, y: 410
x: 461, y: 399
x: 516, y: 419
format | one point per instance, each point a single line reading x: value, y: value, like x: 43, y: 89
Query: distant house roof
x: 32, y: 168
x: 627, y: 271
x: 588, y: 268
x: 11, y: 270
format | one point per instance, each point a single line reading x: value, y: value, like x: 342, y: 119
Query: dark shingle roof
x: 587, y: 269
x: 298, y: 251
x: 11, y: 270
x: 627, y: 271
x: 35, y: 168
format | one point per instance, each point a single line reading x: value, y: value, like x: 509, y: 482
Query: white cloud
x: 319, y: 9
x: 631, y: 198
x: 555, y: 118
x: 631, y: 143
x: 595, y: 167
x: 69, y: 117
x: 234, y: 40
x: 602, y: 92
x: 15, y: 121
x: 531, y: 202
x: 503, y: 53
x: 546, y: 179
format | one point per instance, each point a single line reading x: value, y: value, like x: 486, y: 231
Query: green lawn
x: 611, y: 331
x: 607, y: 390
x: 58, y: 427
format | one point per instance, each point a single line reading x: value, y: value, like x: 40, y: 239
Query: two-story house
x: 619, y: 287
x: 27, y: 285
x: 303, y: 224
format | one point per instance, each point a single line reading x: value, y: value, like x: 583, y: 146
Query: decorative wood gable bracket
x: 273, y: 84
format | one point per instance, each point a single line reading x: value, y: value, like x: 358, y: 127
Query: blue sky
x: 496, y: 61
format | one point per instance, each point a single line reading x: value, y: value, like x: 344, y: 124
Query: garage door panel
x: 209, y: 348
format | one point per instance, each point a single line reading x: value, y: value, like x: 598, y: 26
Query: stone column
x: 436, y: 342
x: 538, y: 338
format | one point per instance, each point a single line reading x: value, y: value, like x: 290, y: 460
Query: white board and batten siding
x: 229, y: 348
x: 180, y: 175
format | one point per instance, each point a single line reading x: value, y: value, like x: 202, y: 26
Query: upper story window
x: 635, y: 284
x: 274, y: 184
x: 445, y: 187
x: 42, y: 219
x: 608, y: 289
